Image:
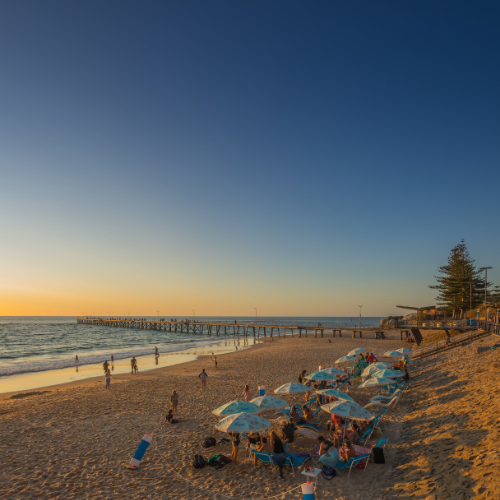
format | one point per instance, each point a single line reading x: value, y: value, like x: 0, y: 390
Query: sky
x: 302, y: 158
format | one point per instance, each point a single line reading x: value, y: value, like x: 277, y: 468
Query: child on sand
x: 203, y: 377
x: 108, y: 380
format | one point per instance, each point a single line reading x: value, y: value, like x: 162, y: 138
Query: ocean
x: 36, y: 344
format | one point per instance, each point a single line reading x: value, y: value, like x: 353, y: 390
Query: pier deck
x: 218, y: 328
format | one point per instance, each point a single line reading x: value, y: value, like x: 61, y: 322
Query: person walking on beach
x: 105, y: 365
x: 156, y: 351
x: 112, y: 358
x: 76, y: 358
x: 174, y: 401
x: 203, y: 377
x: 108, y: 380
x: 133, y: 364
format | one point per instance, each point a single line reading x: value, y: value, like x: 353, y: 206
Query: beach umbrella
x: 347, y: 409
x: 322, y: 375
x: 292, y: 388
x: 373, y: 368
x: 377, y: 381
x: 404, y: 350
x: 387, y: 373
x: 343, y: 359
x: 335, y: 371
x: 234, y: 407
x: 269, y: 402
x: 355, y: 352
x: 336, y: 394
x: 243, y: 422
x: 393, y: 354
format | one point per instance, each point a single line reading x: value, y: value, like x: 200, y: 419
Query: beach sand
x: 75, y: 440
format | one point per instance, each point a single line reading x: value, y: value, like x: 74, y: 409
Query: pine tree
x: 459, y: 278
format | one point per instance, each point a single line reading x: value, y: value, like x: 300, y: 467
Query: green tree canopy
x: 460, y: 284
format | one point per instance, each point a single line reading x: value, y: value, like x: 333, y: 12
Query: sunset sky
x: 301, y: 158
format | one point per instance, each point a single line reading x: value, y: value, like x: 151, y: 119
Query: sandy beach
x: 74, y: 441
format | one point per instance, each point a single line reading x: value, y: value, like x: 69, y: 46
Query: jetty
x: 246, y: 329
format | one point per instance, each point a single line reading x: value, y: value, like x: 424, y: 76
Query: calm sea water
x: 32, y: 344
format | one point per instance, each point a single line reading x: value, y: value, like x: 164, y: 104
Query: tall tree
x: 460, y: 284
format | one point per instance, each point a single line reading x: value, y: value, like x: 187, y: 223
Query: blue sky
x: 223, y: 155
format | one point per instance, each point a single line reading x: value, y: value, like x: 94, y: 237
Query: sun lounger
x: 382, y: 442
x: 353, y: 462
x: 369, y: 431
x: 296, y: 461
x: 377, y: 405
x: 266, y: 458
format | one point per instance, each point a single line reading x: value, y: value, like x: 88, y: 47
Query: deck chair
x: 353, y: 462
x: 266, y: 458
x: 369, y: 431
x: 390, y: 405
x: 296, y: 461
x: 385, y: 399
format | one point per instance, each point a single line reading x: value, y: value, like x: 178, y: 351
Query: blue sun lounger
x: 353, y: 462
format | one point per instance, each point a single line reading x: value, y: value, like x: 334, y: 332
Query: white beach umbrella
x: 393, y: 354
x: 356, y: 351
x: 336, y: 394
x: 243, y: 422
x: 234, y: 407
x: 292, y: 388
x: 373, y: 368
x: 343, y: 359
x: 388, y: 373
x: 335, y: 371
x: 347, y: 409
x: 404, y: 350
x: 376, y: 381
x: 269, y: 402
x: 322, y: 375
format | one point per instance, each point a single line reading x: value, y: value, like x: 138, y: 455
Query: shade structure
x: 343, y: 359
x: 387, y: 373
x: 393, y: 354
x: 404, y: 350
x: 356, y: 351
x: 347, y: 409
x: 335, y: 371
x: 236, y: 406
x: 243, y: 422
x: 322, y: 375
x: 376, y: 381
x: 269, y: 402
x: 292, y: 388
x: 373, y: 368
x: 336, y: 394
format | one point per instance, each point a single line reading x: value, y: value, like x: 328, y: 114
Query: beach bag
x: 378, y: 456
x: 198, y: 462
x: 214, y: 460
x: 328, y: 473
x: 360, y: 465
x: 210, y: 441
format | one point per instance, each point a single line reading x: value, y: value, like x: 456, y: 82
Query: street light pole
x: 255, y: 314
x: 360, y: 315
x: 485, y: 269
x: 158, y: 317
x: 194, y: 314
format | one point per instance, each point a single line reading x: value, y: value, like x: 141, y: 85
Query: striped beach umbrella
x: 347, y: 409
x: 234, y: 407
x: 292, y: 388
x: 269, y: 402
x: 243, y: 422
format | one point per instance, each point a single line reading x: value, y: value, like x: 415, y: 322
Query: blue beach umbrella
x: 292, y: 388
x: 357, y: 351
x: 243, y: 422
x: 347, y: 409
x: 404, y: 350
x: 234, y: 407
x: 393, y: 354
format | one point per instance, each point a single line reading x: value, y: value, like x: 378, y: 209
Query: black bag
x: 198, y: 462
x: 378, y: 456
x: 328, y: 473
x: 209, y: 442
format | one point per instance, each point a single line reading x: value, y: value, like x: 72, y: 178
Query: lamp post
x: 360, y: 315
x: 485, y: 269
x: 158, y: 317
x: 194, y: 314
x: 255, y: 314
